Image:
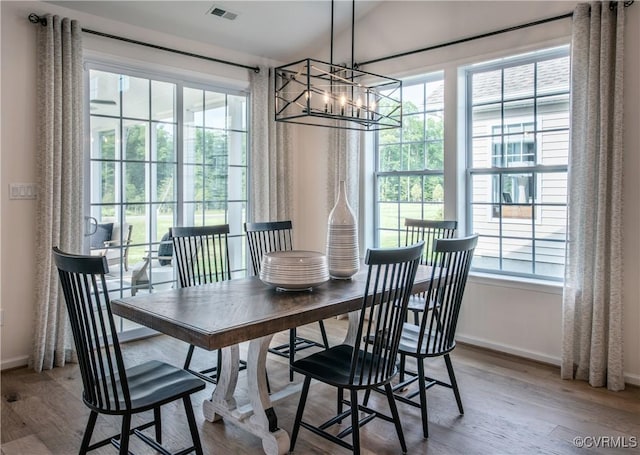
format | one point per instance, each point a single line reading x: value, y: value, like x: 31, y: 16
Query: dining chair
x: 371, y: 361
x: 202, y: 256
x: 271, y: 236
x: 429, y: 231
x: 110, y: 387
x: 435, y: 336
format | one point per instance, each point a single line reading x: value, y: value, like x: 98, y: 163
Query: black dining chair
x: 202, y: 256
x: 428, y: 231
x: 371, y: 361
x: 435, y: 336
x: 278, y: 236
x: 109, y: 387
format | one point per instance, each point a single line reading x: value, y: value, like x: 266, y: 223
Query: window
x: 162, y: 153
x: 409, y: 171
x: 517, y: 142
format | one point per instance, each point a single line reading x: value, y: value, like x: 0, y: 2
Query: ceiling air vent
x: 216, y: 11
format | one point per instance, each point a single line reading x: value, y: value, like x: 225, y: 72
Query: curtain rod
x: 612, y: 5
x: 35, y: 19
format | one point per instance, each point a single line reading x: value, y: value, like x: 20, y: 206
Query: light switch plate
x: 23, y: 191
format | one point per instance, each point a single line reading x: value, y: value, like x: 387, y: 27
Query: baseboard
x: 15, y: 362
x: 631, y: 379
x: 533, y: 355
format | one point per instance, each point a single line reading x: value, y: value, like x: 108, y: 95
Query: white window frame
x: 519, y: 59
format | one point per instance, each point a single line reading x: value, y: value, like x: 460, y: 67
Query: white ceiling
x: 279, y: 30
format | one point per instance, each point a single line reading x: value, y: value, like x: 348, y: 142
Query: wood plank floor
x: 512, y: 406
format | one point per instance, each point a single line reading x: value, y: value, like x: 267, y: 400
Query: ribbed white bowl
x: 294, y: 270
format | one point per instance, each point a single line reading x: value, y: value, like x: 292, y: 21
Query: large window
x: 162, y: 153
x: 517, y: 142
x: 409, y: 170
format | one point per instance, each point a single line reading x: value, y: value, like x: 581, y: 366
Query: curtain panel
x: 60, y: 165
x: 592, y: 298
x: 270, y: 154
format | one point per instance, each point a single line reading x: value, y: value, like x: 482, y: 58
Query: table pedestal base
x: 257, y: 417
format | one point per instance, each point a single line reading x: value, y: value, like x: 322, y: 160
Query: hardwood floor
x: 512, y: 406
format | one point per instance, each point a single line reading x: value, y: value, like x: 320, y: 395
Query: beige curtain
x: 60, y: 158
x: 592, y: 300
x: 270, y: 154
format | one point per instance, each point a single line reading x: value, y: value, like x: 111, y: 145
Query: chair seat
x: 155, y: 383
x: 409, y: 342
x: 416, y: 303
x: 339, y: 357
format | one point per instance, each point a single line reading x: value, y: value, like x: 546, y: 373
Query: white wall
x: 18, y: 152
x: 522, y: 319
x: 525, y: 320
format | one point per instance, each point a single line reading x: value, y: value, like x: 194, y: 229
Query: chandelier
x: 312, y: 92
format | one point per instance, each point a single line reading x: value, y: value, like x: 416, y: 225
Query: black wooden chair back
x: 94, y: 331
x: 201, y: 254
x: 371, y: 362
x: 448, y: 281
x: 434, y: 336
x: 384, y: 306
x: 428, y: 231
x: 109, y: 387
x: 266, y: 237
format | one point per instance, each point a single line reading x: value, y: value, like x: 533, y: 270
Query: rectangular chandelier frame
x: 312, y: 92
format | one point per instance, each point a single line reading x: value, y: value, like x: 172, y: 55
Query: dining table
x: 224, y: 314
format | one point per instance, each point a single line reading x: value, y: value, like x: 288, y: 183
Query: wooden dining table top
x: 216, y: 315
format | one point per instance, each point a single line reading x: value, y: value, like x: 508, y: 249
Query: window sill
x: 529, y: 284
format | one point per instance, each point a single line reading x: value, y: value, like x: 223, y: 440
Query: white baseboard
x: 14, y: 362
x: 632, y: 379
x: 533, y: 355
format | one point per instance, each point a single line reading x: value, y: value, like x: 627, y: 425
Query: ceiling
x: 279, y: 30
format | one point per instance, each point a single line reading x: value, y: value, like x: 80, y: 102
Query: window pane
x: 163, y: 100
x: 237, y: 112
x: 103, y: 182
x: 193, y: 104
x: 435, y: 155
x: 215, y: 110
x: 105, y: 133
x: 413, y: 128
x: 193, y: 145
x: 518, y: 81
x: 435, y: 95
x: 163, y: 177
x: 237, y: 148
x: 553, y: 76
x: 163, y: 146
x: 412, y: 99
x: 388, y: 216
x: 136, y: 140
x: 550, y: 258
x: 487, y: 87
x: 552, y: 188
x: 517, y: 255
x: 104, y: 93
x: 413, y: 158
x: 135, y: 97
x: 135, y: 182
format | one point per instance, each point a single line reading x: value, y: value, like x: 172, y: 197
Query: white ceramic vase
x: 342, y: 239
